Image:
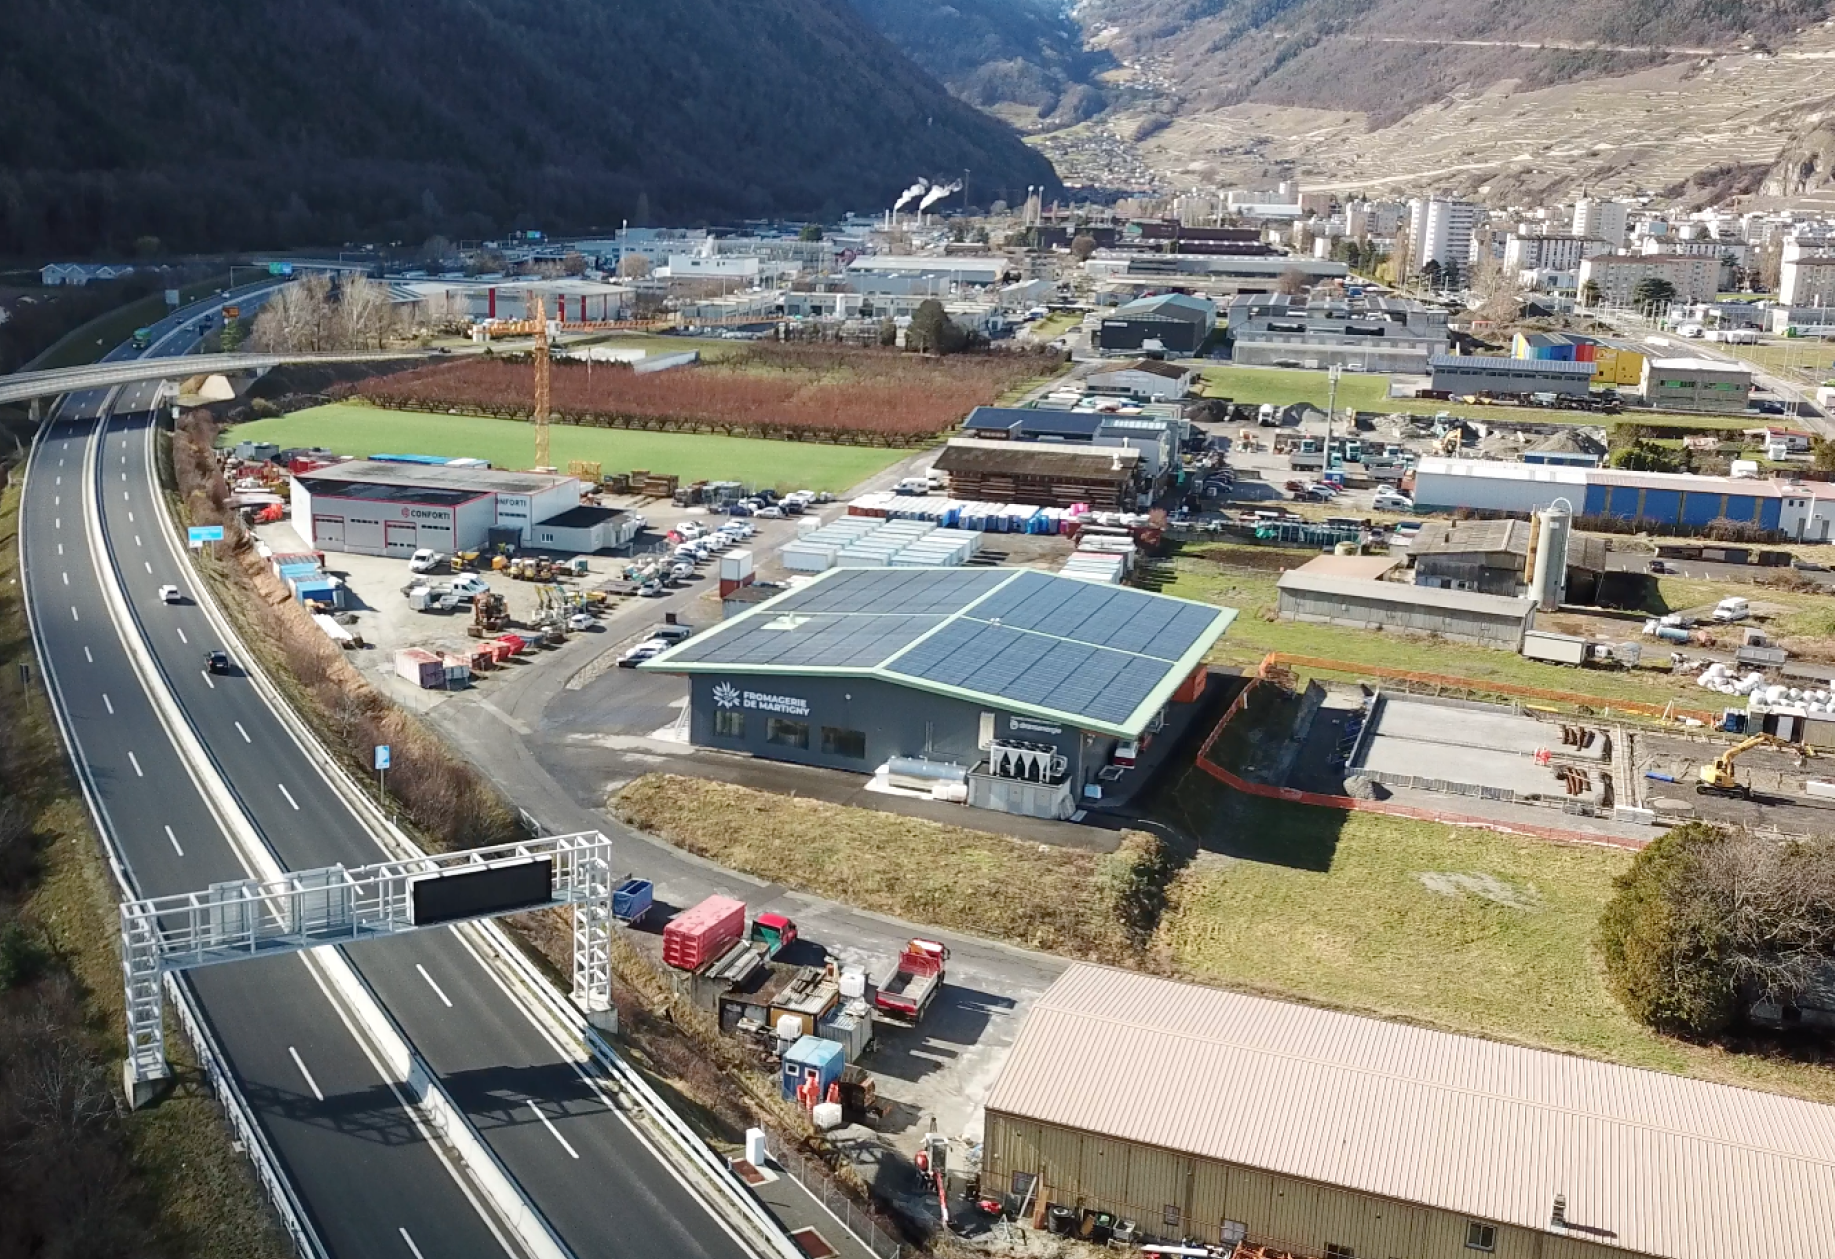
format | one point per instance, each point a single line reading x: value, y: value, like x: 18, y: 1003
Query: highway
x: 114, y: 373
x: 372, y: 1183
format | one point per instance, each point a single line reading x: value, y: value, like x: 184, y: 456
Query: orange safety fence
x: 1670, y: 711
x: 1355, y: 805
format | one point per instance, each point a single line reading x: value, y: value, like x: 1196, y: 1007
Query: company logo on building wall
x: 726, y: 695
x: 419, y: 513
x: 1035, y: 727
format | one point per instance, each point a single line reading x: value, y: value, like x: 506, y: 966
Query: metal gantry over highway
x: 309, y: 909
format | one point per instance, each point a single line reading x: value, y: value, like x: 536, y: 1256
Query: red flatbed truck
x: 914, y: 984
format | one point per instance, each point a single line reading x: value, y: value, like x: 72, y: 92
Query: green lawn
x: 90, y: 342
x: 1462, y: 929
x: 1370, y: 392
x: 355, y: 429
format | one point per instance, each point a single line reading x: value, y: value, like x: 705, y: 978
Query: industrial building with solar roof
x: 1030, y: 690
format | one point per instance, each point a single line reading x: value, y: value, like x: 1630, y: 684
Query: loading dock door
x: 328, y: 532
x: 399, y: 537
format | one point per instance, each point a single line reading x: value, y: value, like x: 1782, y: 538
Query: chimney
x: 1558, y: 1217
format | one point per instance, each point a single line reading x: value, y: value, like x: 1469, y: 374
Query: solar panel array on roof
x: 1105, y: 616
x: 1027, y: 639
x: 1030, y: 668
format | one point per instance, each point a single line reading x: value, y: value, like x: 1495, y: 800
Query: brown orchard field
x: 798, y: 393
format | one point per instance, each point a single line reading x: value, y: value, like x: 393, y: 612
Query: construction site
x: 1592, y: 772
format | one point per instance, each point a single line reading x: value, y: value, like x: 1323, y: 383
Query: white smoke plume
x: 937, y: 193
x: 916, y: 190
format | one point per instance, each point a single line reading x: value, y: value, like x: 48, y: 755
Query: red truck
x: 696, y: 936
x: 914, y: 985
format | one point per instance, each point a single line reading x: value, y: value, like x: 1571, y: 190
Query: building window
x: 1334, y: 1251
x: 793, y: 734
x: 729, y: 724
x: 1171, y: 1216
x: 1480, y: 1236
x: 849, y: 743
x: 1022, y: 1187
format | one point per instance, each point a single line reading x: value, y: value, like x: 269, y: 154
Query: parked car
x: 1393, y: 502
x: 469, y: 584
x: 426, y: 560
x: 770, y: 513
x: 579, y: 621
x: 651, y: 590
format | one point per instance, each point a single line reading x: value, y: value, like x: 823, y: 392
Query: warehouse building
x: 1318, y: 592
x: 1022, y: 686
x: 1492, y: 376
x: 1696, y: 384
x: 1044, y: 473
x: 1616, y: 364
x: 1442, y: 484
x: 1679, y: 500
x: 1175, y: 323
x: 1682, y: 499
x: 1145, y: 380
x: 371, y: 507
x: 1373, y: 334
x: 1192, y: 1112
x: 1157, y: 438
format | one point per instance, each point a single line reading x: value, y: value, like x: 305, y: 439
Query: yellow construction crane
x: 1717, y: 776
x: 543, y: 396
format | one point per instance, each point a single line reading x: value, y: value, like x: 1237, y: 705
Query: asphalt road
x: 583, y: 1164
x: 372, y: 1183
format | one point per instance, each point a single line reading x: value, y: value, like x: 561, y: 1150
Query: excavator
x: 1717, y: 776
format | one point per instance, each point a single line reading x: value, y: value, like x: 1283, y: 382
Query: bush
x: 1663, y: 947
x: 1706, y: 922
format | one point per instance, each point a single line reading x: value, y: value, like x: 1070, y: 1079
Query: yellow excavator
x: 1717, y: 776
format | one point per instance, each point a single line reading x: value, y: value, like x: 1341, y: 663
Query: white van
x: 1732, y: 609
x: 913, y: 485
x: 1266, y: 417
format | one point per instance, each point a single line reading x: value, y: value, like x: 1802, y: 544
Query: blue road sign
x: 204, y: 533
x: 382, y: 756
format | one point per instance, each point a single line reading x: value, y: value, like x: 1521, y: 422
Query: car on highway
x: 171, y: 594
x: 216, y: 661
x: 646, y: 650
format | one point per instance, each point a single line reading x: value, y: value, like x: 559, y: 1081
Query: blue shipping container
x: 812, y: 1056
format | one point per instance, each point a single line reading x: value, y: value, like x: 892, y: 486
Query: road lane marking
x: 58, y: 480
x: 436, y: 988
x: 57, y: 500
x: 66, y: 579
x: 73, y: 615
x: 130, y: 515
x: 310, y: 1082
x: 243, y: 733
x: 60, y: 548
x: 108, y: 703
x: 411, y: 1245
x: 135, y: 762
x: 181, y: 635
x: 288, y: 795
x: 207, y: 681
x: 57, y: 522
x: 137, y: 541
x: 88, y: 656
x: 174, y: 839
x: 124, y: 475
x: 125, y: 498
x: 552, y: 1130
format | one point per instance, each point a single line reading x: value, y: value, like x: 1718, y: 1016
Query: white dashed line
x: 66, y: 579
x: 551, y: 1129
x: 174, y: 839
x: 73, y: 615
x: 137, y: 541
x: 207, y: 681
x: 88, y: 656
x: 310, y: 1082
x: 436, y: 988
x: 243, y: 733
x: 149, y: 565
x: 130, y: 515
x: 108, y: 703
x: 60, y: 548
x: 411, y: 1245
x: 181, y: 635
x: 135, y: 762
x: 288, y: 795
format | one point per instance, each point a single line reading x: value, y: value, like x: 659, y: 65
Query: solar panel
x: 1024, y: 637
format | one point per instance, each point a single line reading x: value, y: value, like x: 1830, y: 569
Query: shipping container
x: 810, y: 1067
x: 697, y: 935
x: 420, y: 667
x: 849, y: 1025
x: 631, y: 900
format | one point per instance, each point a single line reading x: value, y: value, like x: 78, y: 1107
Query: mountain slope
x: 223, y: 123
x: 1022, y: 57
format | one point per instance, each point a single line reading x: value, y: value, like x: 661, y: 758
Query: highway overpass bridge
x: 31, y: 386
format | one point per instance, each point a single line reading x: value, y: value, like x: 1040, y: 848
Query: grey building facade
x: 1485, y: 374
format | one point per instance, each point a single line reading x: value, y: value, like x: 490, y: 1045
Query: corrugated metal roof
x: 1495, y: 469
x: 1495, y: 363
x: 1648, y: 1162
x: 1749, y: 487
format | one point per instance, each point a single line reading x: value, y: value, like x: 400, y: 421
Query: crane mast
x: 543, y: 395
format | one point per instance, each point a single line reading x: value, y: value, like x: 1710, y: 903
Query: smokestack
x: 937, y: 193
x: 916, y: 190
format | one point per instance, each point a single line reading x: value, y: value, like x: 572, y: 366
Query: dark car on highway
x: 216, y: 662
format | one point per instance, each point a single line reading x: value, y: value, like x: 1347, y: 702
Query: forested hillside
x: 994, y: 53
x: 230, y: 124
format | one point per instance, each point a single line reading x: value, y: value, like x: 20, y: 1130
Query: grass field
x: 1061, y: 899
x: 90, y: 342
x: 1370, y: 392
x: 1461, y: 929
x: 355, y: 429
